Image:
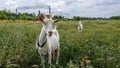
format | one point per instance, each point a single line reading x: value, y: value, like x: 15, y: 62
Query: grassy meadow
x: 98, y: 46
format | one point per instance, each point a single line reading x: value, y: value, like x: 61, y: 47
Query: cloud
x: 91, y: 8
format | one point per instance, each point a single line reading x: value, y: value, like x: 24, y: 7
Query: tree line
x: 7, y: 15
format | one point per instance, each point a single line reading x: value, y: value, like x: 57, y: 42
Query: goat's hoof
x: 56, y: 63
x: 57, y: 66
x: 42, y: 66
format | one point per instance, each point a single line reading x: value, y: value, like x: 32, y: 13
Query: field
x: 98, y: 46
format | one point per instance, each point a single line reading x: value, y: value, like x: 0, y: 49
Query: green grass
x: 97, y: 46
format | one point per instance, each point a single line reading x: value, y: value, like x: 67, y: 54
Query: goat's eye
x: 44, y: 23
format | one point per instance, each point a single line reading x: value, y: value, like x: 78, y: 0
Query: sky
x: 68, y: 8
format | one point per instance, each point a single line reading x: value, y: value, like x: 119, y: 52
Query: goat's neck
x: 42, y: 37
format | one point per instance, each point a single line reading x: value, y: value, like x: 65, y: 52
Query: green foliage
x: 58, y: 17
x: 96, y: 47
x: 115, y: 17
x: 3, y: 15
x: 12, y: 16
x: 89, y: 18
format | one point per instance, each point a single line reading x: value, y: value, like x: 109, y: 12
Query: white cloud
x: 93, y: 8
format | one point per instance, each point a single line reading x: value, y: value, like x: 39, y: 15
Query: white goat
x: 80, y: 26
x: 48, y: 40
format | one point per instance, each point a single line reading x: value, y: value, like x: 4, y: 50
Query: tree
x: 115, y: 18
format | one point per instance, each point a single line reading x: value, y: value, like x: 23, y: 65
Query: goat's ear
x: 55, y: 21
x: 41, y: 17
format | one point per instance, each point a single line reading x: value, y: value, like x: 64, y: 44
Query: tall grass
x: 96, y: 47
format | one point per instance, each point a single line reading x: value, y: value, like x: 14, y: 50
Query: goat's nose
x: 50, y: 33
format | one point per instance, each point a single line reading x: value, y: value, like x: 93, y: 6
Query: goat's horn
x: 41, y: 16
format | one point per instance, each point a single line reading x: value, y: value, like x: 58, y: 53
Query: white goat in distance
x: 80, y: 26
x: 48, y: 40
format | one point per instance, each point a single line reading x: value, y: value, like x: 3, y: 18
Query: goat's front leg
x: 49, y: 58
x: 42, y: 61
x: 57, y: 56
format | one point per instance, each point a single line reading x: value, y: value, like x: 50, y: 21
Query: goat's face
x: 48, y: 23
x: 79, y: 22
